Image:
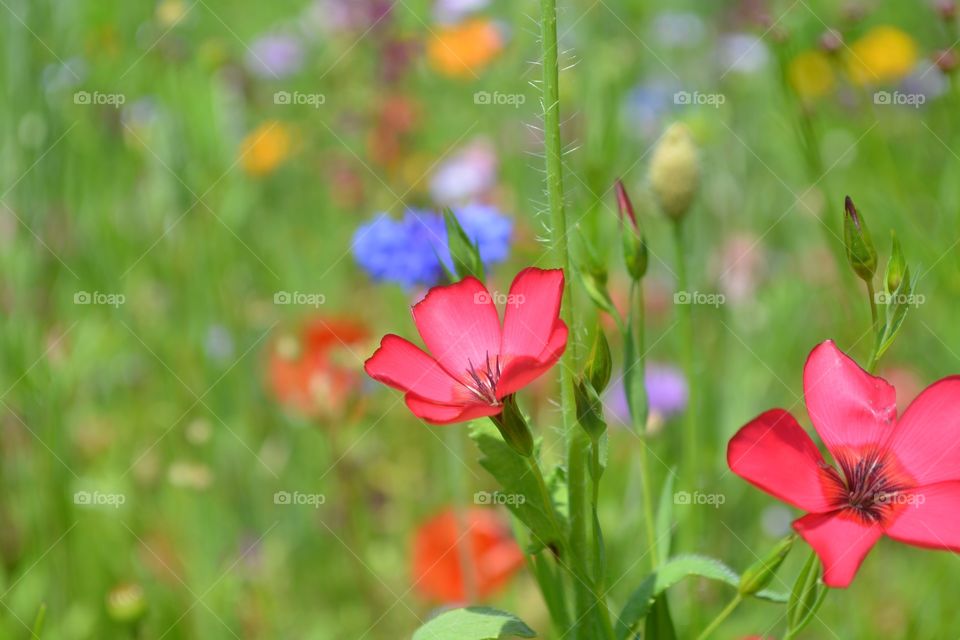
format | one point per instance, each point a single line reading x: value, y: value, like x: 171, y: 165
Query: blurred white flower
x: 743, y: 53
x: 678, y: 29
x: 468, y: 174
x: 453, y: 11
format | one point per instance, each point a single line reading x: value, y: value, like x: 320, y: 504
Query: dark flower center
x: 871, y: 486
x: 482, y: 381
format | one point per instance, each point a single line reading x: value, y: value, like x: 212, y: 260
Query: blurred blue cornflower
x: 412, y: 251
x: 666, y: 389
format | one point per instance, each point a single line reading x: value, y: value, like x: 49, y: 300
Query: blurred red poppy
x: 311, y: 371
x: 493, y: 556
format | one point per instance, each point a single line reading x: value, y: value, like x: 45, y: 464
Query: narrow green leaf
x: 664, y: 521
x: 659, y: 623
x: 464, y: 253
x: 474, y: 623
x: 524, y: 497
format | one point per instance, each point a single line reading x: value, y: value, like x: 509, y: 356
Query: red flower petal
x: 925, y: 440
x: 460, y: 326
x: 519, y: 372
x: 774, y: 453
x: 402, y: 365
x: 436, y: 413
x: 842, y: 540
x: 848, y: 406
x: 532, y: 312
x: 929, y: 517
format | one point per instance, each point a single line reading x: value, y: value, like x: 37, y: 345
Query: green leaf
x: 474, y: 623
x: 659, y: 624
x: 633, y: 382
x: 664, y: 521
x: 639, y: 603
x: 464, y: 253
x: 516, y: 479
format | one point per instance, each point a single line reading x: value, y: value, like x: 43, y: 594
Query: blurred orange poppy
x: 465, y: 49
x: 493, y: 555
x: 310, y: 373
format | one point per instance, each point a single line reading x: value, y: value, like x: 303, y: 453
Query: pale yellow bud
x: 675, y: 171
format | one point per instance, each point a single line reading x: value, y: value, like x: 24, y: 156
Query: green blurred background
x: 157, y: 195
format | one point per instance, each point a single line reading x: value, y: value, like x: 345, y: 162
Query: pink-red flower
x: 898, y: 477
x: 475, y: 362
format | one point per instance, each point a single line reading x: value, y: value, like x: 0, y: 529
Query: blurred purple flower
x: 275, y: 56
x: 413, y: 250
x: 666, y: 392
x: 469, y: 173
x: 332, y: 17
x: 648, y: 104
x: 743, y: 53
x: 678, y: 29
x: 453, y: 11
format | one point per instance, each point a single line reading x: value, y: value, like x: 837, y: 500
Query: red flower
x: 899, y: 478
x: 304, y: 372
x: 486, y: 544
x: 475, y: 362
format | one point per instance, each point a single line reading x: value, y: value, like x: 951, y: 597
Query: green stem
x: 723, y: 615
x: 875, y: 325
x: 636, y: 321
x: 685, y: 318
x: 456, y: 471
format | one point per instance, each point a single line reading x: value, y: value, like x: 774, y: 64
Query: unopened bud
x: 634, y: 245
x: 589, y: 409
x: 860, y: 250
x: 599, y: 366
x: 896, y: 267
x: 514, y: 428
x: 675, y: 171
x: 947, y: 9
x: 759, y: 575
x: 126, y: 603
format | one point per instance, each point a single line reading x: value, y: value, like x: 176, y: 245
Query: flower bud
x: 589, y: 409
x: 514, y: 428
x: 126, y: 603
x: 759, y: 575
x: 599, y: 364
x: 947, y: 9
x: 860, y: 250
x: 634, y: 245
x: 831, y: 41
x: 945, y: 59
x: 896, y: 266
x: 675, y: 171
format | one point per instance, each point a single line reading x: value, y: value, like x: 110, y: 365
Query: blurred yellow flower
x: 265, y: 148
x: 463, y: 50
x: 170, y: 12
x: 810, y: 74
x: 883, y: 54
